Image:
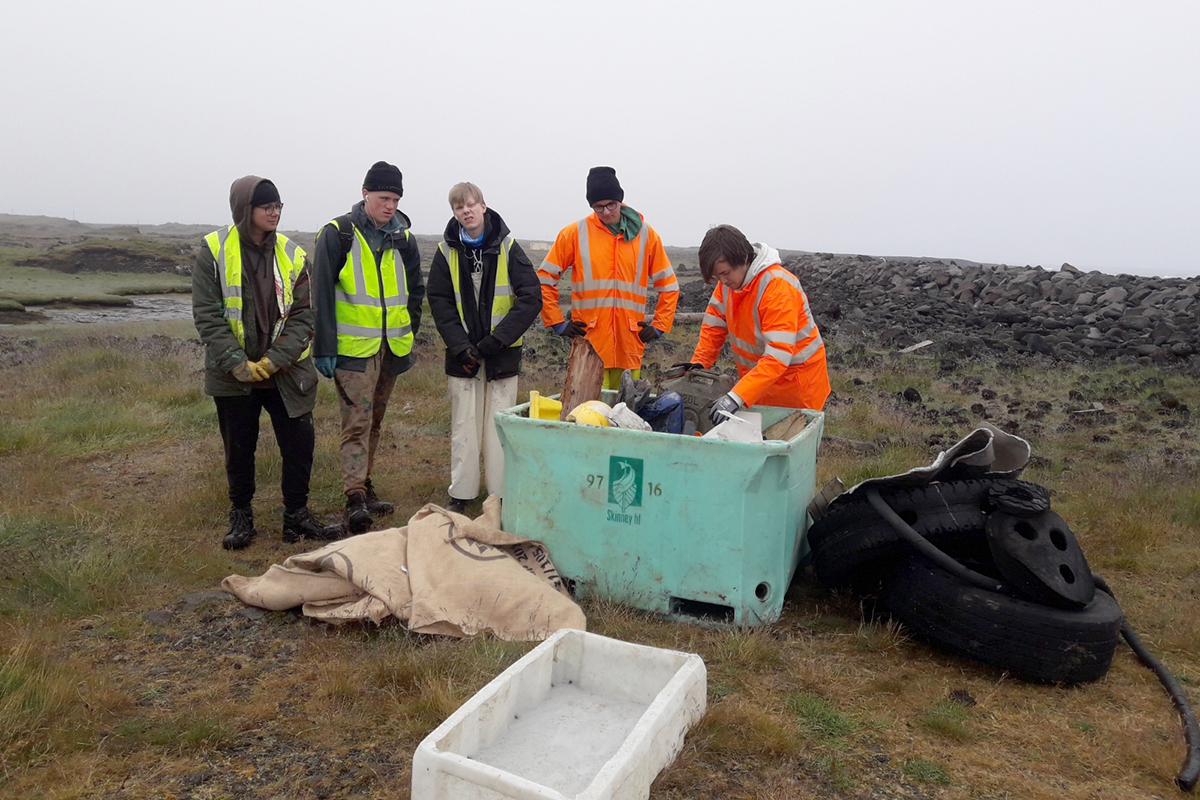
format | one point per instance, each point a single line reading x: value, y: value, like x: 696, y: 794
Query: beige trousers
x: 473, y: 401
x: 363, y: 397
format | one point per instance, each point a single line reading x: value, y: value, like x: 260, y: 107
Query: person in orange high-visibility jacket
x: 760, y: 308
x: 613, y: 256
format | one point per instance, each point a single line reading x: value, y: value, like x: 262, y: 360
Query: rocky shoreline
x: 965, y: 309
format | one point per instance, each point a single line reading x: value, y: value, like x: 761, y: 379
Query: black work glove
x: 682, y: 368
x: 724, y: 403
x: 469, y: 359
x: 573, y: 328
x: 648, y: 333
x: 489, y: 346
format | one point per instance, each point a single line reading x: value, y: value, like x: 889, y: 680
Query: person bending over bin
x: 762, y: 310
x: 612, y: 255
x: 368, y: 285
x: 250, y: 302
x: 483, y: 295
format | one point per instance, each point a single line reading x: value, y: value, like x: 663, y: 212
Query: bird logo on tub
x: 625, y: 481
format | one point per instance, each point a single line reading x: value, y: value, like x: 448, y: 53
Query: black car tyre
x: 852, y: 546
x: 1034, y: 642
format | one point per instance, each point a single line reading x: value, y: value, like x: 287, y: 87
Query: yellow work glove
x: 260, y: 372
x: 245, y: 373
x: 268, y: 365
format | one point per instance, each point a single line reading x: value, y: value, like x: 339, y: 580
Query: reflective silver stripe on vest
x: 360, y: 296
x: 373, y: 333
x: 498, y: 290
x: 673, y: 286
x: 504, y: 290
x: 451, y: 267
x: 609, y: 302
x: 289, y: 249
x: 713, y: 321
x: 555, y: 272
x: 589, y: 283
x: 227, y: 291
x: 782, y: 337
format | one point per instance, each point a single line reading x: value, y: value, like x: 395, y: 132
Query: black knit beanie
x: 384, y: 177
x: 602, y: 184
x: 264, y: 193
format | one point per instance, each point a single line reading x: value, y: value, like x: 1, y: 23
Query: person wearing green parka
x: 251, y: 306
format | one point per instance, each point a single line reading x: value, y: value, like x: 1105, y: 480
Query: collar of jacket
x: 495, y: 231
x: 397, y: 224
x: 629, y: 225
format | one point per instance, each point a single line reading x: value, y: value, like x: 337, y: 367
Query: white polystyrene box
x: 579, y: 717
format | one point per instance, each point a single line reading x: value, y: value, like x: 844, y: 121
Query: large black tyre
x: 852, y: 546
x: 1034, y: 642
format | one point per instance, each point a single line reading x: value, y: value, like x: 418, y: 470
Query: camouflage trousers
x: 363, y: 397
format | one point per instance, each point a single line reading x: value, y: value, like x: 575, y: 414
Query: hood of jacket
x: 764, y: 256
x: 240, y: 194
x: 494, y: 231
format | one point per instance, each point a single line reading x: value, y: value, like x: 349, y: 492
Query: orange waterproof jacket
x: 609, y: 277
x: 778, y: 350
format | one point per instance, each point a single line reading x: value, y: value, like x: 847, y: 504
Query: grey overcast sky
x: 1016, y: 132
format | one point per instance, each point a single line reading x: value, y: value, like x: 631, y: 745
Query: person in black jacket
x: 483, y: 295
x: 367, y: 292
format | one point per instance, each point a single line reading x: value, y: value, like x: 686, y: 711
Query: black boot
x: 301, y: 524
x: 358, y: 518
x: 241, y: 529
x: 458, y: 505
x: 377, y: 507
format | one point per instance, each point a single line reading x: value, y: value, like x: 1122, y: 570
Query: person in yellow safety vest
x: 761, y: 309
x: 368, y: 291
x: 250, y: 303
x: 613, y: 256
x: 483, y: 296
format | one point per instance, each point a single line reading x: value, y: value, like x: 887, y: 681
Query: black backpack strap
x: 345, y: 233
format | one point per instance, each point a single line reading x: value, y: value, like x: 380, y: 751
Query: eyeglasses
x: 271, y: 207
x: 602, y: 208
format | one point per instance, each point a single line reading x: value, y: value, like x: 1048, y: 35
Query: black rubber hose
x: 922, y: 546
x: 1189, y: 773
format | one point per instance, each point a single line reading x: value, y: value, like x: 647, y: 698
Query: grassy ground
x: 125, y: 675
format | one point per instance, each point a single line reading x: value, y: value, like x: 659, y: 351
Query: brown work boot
x: 358, y: 517
x: 377, y: 507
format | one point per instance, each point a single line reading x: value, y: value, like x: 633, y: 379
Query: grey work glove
x: 727, y: 403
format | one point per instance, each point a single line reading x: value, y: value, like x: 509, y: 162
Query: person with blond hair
x: 483, y: 295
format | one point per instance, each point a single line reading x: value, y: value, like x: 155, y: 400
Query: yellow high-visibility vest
x: 371, y: 301
x: 502, y: 297
x: 226, y: 248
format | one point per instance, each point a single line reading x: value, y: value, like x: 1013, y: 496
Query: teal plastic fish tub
x: 696, y: 529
